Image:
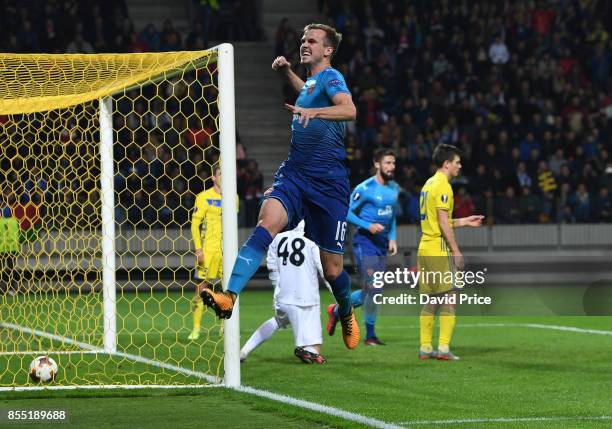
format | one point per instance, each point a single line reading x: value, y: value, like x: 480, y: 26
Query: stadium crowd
x: 88, y: 26
x: 167, y: 146
x: 521, y: 87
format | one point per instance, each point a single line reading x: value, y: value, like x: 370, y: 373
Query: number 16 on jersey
x: 340, y: 233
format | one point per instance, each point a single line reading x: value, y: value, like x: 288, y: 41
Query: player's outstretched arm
x: 358, y: 199
x: 283, y: 68
x: 342, y: 110
x: 473, y: 221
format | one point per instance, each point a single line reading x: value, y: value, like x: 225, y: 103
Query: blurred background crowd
x: 166, y: 133
x: 523, y: 88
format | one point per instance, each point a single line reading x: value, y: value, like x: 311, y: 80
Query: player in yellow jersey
x: 206, y: 219
x: 438, y: 252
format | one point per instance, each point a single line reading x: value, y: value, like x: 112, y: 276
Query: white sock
x: 311, y: 349
x: 264, y: 332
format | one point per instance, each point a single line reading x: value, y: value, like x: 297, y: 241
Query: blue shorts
x: 369, y: 258
x: 322, y: 202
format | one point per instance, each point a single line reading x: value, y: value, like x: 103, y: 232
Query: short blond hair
x: 332, y: 37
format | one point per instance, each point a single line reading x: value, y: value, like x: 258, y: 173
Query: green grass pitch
x: 509, y: 372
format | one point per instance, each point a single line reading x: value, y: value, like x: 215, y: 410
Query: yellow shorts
x: 212, y: 268
x: 436, y: 267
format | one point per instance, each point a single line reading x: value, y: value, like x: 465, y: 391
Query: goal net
x: 101, y: 159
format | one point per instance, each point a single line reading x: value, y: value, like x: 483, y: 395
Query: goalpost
x: 102, y: 156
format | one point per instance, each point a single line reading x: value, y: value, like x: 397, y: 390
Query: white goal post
x: 227, y: 127
x: 227, y: 138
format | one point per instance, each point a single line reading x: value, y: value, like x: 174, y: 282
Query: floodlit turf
x: 510, y: 371
x: 206, y: 408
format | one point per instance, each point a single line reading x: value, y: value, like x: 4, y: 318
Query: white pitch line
x: 48, y: 352
x: 519, y: 325
x: 567, y: 329
x: 503, y: 420
x: 171, y: 367
x: 109, y: 387
x: 50, y: 336
x: 325, y: 409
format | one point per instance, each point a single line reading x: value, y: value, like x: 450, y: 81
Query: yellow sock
x: 427, y: 325
x: 447, y: 325
x: 197, y: 315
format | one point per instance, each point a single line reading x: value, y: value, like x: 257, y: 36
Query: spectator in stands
x: 100, y: 41
x: 566, y: 176
x: 51, y: 40
x: 28, y: 38
x: 359, y: 167
x: 136, y: 45
x: 79, y: 45
x: 507, y: 208
x: 252, y: 182
x: 581, y: 204
x: 283, y: 35
x: 197, y: 32
x: 200, y: 132
x: 498, y: 51
x: 602, y: 206
x: 170, y: 38
x: 529, y: 206
x: 27, y: 211
x: 546, y: 180
x: 368, y: 120
x: 150, y: 37
x: 606, y: 179
x: 548, y: 212
x: 464, y: 206
x: 522, y: 177
x: 556, y: 161
x: 564, y: 209
x: 208, y: 12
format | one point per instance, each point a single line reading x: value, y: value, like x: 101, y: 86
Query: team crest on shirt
x: 444, y: 198
x: 310, y: 86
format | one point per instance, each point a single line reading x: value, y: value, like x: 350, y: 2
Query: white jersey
x: 294, y: 262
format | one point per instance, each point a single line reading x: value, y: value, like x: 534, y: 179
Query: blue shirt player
x: 372, y: 210
x: 312, y: 183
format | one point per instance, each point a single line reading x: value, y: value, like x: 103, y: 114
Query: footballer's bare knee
x: 273, y: 216
x: 332, y: 265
